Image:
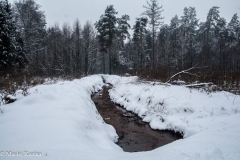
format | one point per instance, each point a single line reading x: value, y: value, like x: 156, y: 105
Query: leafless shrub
x: 10, y: 84
x: 225, y: 80
x: 37, y: 81
x: 161, y: 108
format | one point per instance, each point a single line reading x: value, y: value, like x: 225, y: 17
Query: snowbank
x: 208, y: 117
x: 56, y: 118
x: 60, y: 122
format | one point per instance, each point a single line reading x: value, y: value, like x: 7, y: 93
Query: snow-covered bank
x: 61, y: 122
x: 59, y: 118
x: 212, y: 118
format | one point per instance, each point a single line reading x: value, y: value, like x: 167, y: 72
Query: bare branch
x: 184, y: 71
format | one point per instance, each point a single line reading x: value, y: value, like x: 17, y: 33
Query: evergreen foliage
x: 122, y: 28
x: 139, y: 35
x: 30, y: 21
x: 107, y: 30
x: 12, y: 53
x: 153, y: 11
x: 157, y: 51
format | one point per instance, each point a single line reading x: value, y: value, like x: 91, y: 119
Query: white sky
x: 68, y: 10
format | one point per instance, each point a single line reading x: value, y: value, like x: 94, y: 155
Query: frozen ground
x: 60, y: 122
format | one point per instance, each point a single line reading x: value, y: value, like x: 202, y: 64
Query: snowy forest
x: 206, y: 51
x: 108, y: 90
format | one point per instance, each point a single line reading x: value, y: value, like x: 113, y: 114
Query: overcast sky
x: 68, y: 10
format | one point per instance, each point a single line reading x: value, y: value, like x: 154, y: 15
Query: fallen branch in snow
x: 199, y: 85
x: 185, y: 72
x: 208, y: 87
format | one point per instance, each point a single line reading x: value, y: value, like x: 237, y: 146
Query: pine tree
x: 208, y: 34
x: 221, y: 39
x: 189, y: 24
x: 139, y: 31
x: 174, y: 41
x: 12, y: 54
x: 148, y: 48
x: 106, y: 28
x: 164, y: 46
x: 234, y: 29
x: 122, y: 29
x: 30, y: 21
x: 78, y: 45
x: 153, y: 11
x: 234, y: 41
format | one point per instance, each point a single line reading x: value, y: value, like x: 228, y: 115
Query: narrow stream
x: 134, y: 135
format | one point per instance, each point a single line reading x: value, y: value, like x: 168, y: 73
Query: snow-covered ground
x: 60, y: 121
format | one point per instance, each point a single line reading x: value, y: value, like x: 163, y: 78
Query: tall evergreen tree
x: 207, y: 29
x: 139, y: 32
x: 189, y: 24
x: 106, y: 28
x: 221, y: 38
x: 78, y: 45
x: 234, y: 41
x: 154, y: 11
x: 122, y: 28
x: 164, y: 47
x: 12, y: 54
x: 174, y: 41
x: 30, y: 21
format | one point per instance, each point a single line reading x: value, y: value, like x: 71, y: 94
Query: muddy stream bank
x: 134, y: 134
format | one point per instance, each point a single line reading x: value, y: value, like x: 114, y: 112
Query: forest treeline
x: 209, y: 51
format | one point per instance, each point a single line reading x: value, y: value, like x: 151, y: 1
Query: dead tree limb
x: 183, y: 72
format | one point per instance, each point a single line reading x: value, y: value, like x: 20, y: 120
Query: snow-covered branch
x: 183, y: 72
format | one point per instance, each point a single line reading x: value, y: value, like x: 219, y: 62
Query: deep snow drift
x: 60, y: 121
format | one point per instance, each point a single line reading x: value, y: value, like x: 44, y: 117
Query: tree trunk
x: 153, y: 46
x: 141, y: 52
x: 110, y: 60
x: 103, y: 63
x: 86, y: 63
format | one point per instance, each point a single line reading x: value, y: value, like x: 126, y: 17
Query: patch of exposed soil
x: 134, y: 134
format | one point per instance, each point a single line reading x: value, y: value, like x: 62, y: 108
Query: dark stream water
x: 134, y: 135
